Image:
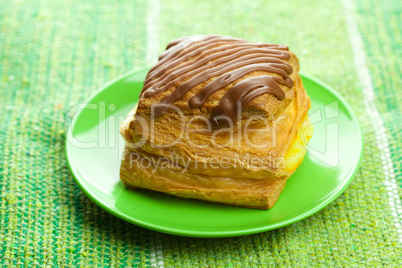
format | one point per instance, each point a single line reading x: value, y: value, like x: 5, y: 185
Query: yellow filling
x: 296, y: 153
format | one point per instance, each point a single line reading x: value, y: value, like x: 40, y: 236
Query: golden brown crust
x: 251, y: 193
x: 281, y: 131
x: 265, y: 105
x: 191, y: 150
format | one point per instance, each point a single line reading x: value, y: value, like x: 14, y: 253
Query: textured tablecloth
x: 54, y: 54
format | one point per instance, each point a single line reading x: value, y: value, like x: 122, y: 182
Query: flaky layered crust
x: 192, y: 152
x: 245, y: 192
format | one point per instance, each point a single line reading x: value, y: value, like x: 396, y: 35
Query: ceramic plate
x: 94, y: 148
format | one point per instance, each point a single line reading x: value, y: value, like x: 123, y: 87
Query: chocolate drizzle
x: 197, y: 59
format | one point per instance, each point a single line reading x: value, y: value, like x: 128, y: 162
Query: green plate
x: 94, y: 148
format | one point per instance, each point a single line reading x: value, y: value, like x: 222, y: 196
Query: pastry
x: 219, y: 119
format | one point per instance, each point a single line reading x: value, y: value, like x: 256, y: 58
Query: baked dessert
x: 219, y: 119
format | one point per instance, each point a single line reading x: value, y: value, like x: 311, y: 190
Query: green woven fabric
x: 54, y: 54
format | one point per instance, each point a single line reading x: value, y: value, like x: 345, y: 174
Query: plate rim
x: 210, y: 234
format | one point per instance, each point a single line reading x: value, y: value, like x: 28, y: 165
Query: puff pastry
x: 219, y: 119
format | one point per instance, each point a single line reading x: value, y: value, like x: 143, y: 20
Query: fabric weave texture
x: 54, y: 54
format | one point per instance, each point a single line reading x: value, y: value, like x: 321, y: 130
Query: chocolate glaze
x: 197, y: 59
